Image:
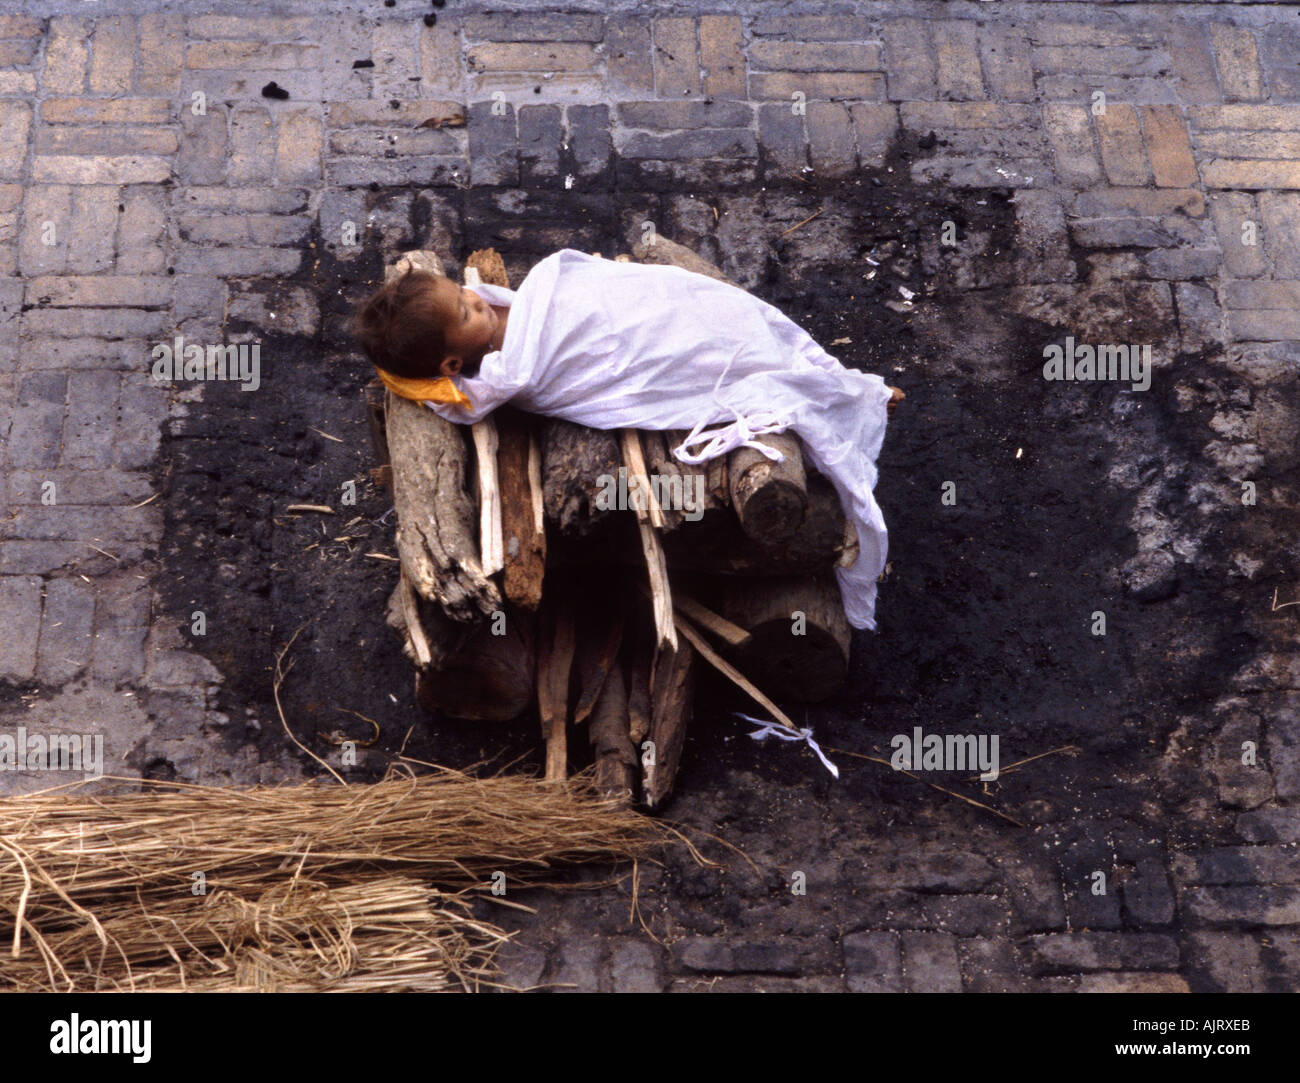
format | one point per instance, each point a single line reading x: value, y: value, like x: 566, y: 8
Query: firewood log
x: 557, y: 644
x: 574, y: 460
x: 671, y: 702
x: 600, y: 636
x: 639, y: 653
x: 615, y: 754
x: 799, y: 639
x: 436, y: 516
x: 441, y: 636
x: 719, y: 545
x: 523, y: 542
x: 716, y: 481
x: 770, y: 498
x: 492, y: 556
x: 659, y: 464
x: 491, y: 678
x: 670, y: 253
x: 694, y: 491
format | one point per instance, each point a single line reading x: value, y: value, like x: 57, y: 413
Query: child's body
x: 623, y: 345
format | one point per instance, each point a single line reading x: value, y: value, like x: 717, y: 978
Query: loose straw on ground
x: 307, y: 887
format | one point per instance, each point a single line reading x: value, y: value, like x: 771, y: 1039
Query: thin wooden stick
x: 803, y: 223
x: 280, y: 673
x: 491, y: 540
x: 1069, y: 750
x: 634, y: 460
x: 713, y: 622
x: 932, y: 785
x: 535, y: 486
x: 732, y: 674
x: 849, y: 554
x: 661, y: 596
x: 414, y: 629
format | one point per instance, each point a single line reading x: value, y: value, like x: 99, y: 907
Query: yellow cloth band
x: 439, y: 390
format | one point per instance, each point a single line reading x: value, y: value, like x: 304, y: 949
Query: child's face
x: 469, y: 325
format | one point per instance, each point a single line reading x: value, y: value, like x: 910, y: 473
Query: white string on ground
x: 770, y: 729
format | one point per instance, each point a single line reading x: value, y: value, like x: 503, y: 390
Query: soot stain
x: 984, y: 615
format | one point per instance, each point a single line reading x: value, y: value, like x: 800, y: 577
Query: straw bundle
x: 307, y: 887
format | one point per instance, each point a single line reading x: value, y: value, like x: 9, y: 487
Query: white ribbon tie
x: 770, y: 729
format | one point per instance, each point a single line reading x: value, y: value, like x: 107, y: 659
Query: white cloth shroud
x: 614, y: 345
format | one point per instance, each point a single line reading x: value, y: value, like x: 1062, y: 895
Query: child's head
x: 423, y: 325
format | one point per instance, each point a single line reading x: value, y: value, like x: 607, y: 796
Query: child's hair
x: 400, y: 327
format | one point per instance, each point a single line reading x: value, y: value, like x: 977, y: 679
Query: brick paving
x: 1160, y: 141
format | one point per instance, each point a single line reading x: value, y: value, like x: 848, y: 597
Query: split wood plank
x: 523, y: 543
x: 615, y: 755
x: 732, y: 674
x: 634, y: 461
x: 661, y: 595
x: 486, y: 445
x: 435, y: 513
x: 672, y: 694
x: 724, y: 629
x: 554, y: 668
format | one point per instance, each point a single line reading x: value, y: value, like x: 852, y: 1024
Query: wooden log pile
x: 523, y: 586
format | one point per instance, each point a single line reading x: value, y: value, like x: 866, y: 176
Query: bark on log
x: 525, y: 545
x: 600, y: 636
x: 638, y: 662
x: 671, y: 702
x: 716, y: 544
x: 689, y: 493
x: 556, y: 647
x: 492, y: 557
x: 799, y: 637
x: 442, y: 635
x: 770, y: 498
x: 670, y: 253
x: 574, y: 459
x: 491, y: 678
x: 436, y: 516
x: 615, y: 755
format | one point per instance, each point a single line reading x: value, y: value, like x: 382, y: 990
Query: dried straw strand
x: 308, y: 887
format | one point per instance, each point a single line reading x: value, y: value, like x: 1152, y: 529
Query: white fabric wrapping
x: 625, y: 345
